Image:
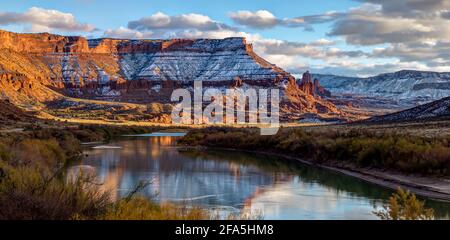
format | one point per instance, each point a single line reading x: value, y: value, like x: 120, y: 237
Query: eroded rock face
x: 19, y: 88
x: 319, y: 90
x: 311, y: 87
x: 302, y: 101
x: 113, y: 69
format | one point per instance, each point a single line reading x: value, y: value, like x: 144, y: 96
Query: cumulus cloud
x: 410, y: 8
x: 409, y: 34
x: 259, y: 19
x: 373, y: 29
x: 385, y: 21
x: 323, y: 42
x: 126, y: 33
x: 123, y: 32
x: 191, y: 25
x: 161, y: 21
x: 308, y: 21
x: 45, y: 19
x: 262, y: 19
x: 409, y: 52
x: 309, y: 50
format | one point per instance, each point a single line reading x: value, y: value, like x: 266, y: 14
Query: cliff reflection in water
x: 176, y: 175
x: 233, y: 181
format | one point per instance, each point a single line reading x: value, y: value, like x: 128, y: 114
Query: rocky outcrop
x: 19, y: 88
x: 301, y: 100
x: 306, y: 84
x: 319, y: 90
x: 311, y: 87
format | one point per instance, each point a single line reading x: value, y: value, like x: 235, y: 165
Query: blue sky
x: 347, y: 37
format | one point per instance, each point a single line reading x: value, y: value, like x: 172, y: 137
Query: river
x: 232, y: 181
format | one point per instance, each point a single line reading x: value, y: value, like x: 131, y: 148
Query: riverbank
x: 430, y: 187
x: 431, y: 184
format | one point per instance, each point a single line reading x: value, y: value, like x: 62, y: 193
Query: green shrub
x: 404, y: 205
x: 405, y: 153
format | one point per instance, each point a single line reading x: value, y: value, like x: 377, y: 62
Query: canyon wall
x: 139, y: 70
x: 48, y: 66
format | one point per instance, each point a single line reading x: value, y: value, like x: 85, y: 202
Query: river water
x: 231, y: 181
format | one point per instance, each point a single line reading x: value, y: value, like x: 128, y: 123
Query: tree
x: 404, y: 205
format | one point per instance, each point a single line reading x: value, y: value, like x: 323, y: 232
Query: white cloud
x: 410, y: 8
x: 313, y: 50
x: 45, y: 19
x: 191, y: 25
x: 371, y: 29
x: 393, y: 22
x: 264, y: 19
x: 161, y: 21
x: 126, y: 33
x: 258, y: 19
x: 412, y: 31
x: 323, y: 42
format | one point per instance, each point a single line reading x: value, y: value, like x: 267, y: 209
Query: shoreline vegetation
x: 380, y: 150
x: 386, y: 158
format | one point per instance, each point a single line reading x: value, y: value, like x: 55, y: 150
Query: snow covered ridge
x: 403, y: 85
x: 439, y: 109
x: 187, y: 60
x: 110, y: 67
x: 185, y: 66
x: 78, y: 61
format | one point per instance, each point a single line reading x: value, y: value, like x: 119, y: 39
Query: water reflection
x: 232, y: 181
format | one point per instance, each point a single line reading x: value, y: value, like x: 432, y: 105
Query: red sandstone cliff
x: 311, y: 87
x: 34, y: 66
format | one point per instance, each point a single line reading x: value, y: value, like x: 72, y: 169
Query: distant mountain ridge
x: 405, y: 85
x: 439, y: 109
